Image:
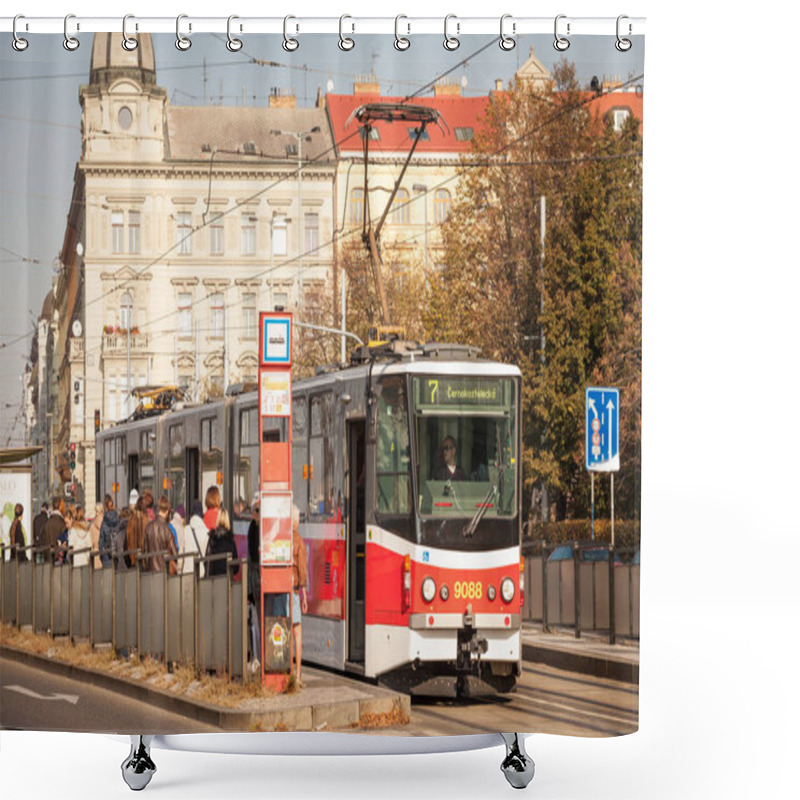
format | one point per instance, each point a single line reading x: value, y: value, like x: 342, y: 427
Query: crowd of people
x: 147, y: 530
x: 160, y: 538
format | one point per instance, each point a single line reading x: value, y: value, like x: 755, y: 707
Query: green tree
x: 583, y: 300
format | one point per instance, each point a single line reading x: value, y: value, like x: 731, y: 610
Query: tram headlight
x: 444, y: 592
x: 491, y: 593
x: 428, y: 589
x: 507, y: 590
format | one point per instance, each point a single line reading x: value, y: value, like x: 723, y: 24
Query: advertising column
x: 275, y: 446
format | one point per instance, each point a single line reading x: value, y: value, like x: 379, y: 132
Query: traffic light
x: 72, y: 456
x: 97, y: 420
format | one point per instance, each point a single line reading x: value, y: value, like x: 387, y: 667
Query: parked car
x: 586, y: 554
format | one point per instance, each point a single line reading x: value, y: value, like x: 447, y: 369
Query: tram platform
x: 327, y: 701
x: 590, y: 654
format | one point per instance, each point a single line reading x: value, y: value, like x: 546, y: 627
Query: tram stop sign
x: 602, y: 429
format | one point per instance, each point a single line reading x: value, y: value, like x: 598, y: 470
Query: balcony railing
x: 115, y: 343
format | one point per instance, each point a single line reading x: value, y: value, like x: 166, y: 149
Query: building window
x: 249, y: 309
x: 117, y: 232
x: 441, y: 206
x: 464, y: 134
x: 184, y: 232
x: 248, y: 235
x: 280, y: 300
x: 184, y: 314
x: 400, y: 208
x: 423, y: 136
x: 216, y: 240
x: 134, y: 225
x: 279, y: 235
x: 217, y: 315
x: 619, y: 116
x: 312, y: 232
x: 126, y: 312
x: 356, y: 206
x: 125, y: 118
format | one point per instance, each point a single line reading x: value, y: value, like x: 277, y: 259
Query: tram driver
x: 448, y: 469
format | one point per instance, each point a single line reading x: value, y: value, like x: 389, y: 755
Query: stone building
x: 184, y: 223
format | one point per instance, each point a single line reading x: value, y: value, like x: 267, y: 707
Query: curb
x: 587, y: 664
x: 343, y: 714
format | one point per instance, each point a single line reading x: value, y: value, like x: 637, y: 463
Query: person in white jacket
x: 195, y: 536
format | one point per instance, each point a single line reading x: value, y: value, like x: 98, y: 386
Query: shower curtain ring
x: 400, y: 42
x: 345, y: 42
x: 129, y: 43
x: 623, y: 45
x: 561, y: 43
x: 182, y: 42
x: 451, y: 42
x: 18, y: 43
x: 233, y: 44
x: 507, y: 42
x: 70, y: 42
x: 289, y: 44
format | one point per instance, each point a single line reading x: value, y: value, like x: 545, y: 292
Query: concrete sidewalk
x: 327, y: 701
x: 591, y: 654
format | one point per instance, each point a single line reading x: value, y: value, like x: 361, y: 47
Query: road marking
x: 69, y: 698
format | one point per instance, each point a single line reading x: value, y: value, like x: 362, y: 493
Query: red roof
x: 464, y: 117
x: 633, y: 101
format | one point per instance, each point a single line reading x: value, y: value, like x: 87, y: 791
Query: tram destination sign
x: 443, y: 391
x: 602, y: 429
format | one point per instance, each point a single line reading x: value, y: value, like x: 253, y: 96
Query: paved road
x: 29, y: 700
x: 547, y: 700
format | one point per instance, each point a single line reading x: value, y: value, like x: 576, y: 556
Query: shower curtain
x: 160, y: 191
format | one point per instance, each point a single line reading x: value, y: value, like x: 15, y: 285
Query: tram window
x: 393, y: 452
x: 320, y: 488
x: 175, y: 467
x: 210, y: 454
x: 479, y: 415
x: 300, y: 452
x: 209, y: 437
x: 248, y: 426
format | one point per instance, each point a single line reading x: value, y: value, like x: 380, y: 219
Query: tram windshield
x: 466, y: 435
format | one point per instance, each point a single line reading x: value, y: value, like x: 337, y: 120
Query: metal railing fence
x: 578, y: 592
x: 180, y: 619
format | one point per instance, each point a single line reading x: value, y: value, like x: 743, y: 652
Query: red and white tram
x: 414, y: 570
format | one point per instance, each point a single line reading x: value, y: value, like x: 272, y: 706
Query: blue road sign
x: 602, y: 429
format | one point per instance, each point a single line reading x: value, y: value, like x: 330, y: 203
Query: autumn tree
x: 565, y: 310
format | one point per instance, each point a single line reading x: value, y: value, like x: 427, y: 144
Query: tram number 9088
x: 468, y: 590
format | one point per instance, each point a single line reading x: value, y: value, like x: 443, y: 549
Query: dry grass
x: 182, y: 681
x: 385, y: 720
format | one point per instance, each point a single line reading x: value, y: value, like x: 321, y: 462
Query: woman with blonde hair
x: 213, y: 503
x: 79, y: 538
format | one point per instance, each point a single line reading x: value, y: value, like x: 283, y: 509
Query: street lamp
x: 423, y: 190
x: 299, y: 136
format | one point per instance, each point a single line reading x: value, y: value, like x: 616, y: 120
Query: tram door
x: 192, y: 479
x: 356, y: 539
x: 133, y: 475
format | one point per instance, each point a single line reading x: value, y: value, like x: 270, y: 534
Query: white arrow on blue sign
x: 602, y: 429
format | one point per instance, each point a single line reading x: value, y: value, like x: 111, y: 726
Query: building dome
x: 48, y: 306
x: 112, y: 62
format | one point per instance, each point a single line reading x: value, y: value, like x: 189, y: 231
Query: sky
x: 40, y: 129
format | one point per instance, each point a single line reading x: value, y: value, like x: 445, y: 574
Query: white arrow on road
x: 610, y: 408
x: 69, y: 698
